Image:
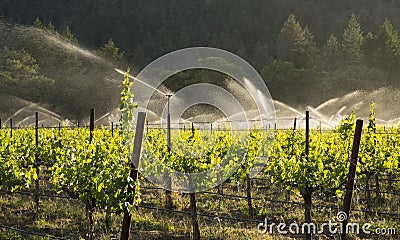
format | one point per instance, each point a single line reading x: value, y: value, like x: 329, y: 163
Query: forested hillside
x: 147, y: 29
x: 306, y: 50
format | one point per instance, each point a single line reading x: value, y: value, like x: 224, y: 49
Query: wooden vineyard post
x: 168, y: 193
x: 91, y: 123
x: 193, y: 210
x: 248, y: 194
x: 307, y: 197
x: 37, y: 165
x: 350, y: 179
x: 126, y: 223
x: 294, y: 124
x: 307, y: 134
x: 168, y: 124
x: 91, y: 204
x: 11, y: 128
x: 320, y: 127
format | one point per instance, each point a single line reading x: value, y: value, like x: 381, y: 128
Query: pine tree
x: 370, y: 51
x: 112, y: 51
x: 37, y: 23
x: 308, y: 48
x: 69, y: 36
x: 353, y: 41
x: 387, y: 46
x: 50, y: 27
x: 296, y: 44
x: 286, y: 43
x: 331, y: 53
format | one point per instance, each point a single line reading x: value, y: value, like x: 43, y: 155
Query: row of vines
x: 95, y: 166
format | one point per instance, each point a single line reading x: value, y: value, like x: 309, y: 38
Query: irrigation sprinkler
x: 167, y: 95
x: 168, y: 122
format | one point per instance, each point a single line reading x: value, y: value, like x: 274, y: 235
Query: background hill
x: 308, y: 51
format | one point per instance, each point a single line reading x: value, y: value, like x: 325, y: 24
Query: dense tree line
x: 146, y: 29
x: 325, y: 48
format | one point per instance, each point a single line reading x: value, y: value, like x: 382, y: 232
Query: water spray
x: 146, y: 84
x: 167, y: 95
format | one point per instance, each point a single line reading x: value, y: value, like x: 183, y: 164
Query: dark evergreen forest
x: 307, y: 51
